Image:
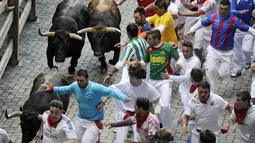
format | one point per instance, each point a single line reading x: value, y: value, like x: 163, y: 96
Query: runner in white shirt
x: 56, y: 127
x: 203, y: 36
x: 206, y: 107
x: 244, y: 116
x: 134, y: 87
x: 187, y: 91
x: 186, y: 63
x: 4, y: 138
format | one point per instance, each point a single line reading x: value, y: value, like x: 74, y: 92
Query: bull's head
x: 100, y: 36
x: 61, y: 42
x: 29, y: 123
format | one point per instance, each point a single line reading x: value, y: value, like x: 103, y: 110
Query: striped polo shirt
x: 223, y: 30
x: 135, y: 50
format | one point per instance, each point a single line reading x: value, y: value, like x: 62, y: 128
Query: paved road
x: 16, y: 82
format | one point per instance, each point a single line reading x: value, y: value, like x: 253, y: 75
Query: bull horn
x: 112, y: 29
x: 13, y: 114
x: 75, y: 36
x: 50, y: 34
x: 85, y: 30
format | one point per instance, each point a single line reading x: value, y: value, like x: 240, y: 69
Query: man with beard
x: 88, y: 95
x: 206, y: 107
x: 220, y: 51
x: 244, y: 116
x: 140, y: 21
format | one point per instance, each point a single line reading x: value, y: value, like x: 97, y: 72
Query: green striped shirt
x: 135, y: 49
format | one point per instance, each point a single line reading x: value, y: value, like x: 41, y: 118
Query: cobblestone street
x: 17, y: 81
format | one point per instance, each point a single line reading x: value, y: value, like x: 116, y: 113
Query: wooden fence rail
x: 12, y: 27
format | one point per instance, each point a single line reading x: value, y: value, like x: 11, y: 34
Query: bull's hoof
x: 112, y: 62
x: 104, y: 69
x: 71, y: 70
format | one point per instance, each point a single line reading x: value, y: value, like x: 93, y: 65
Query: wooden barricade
x: 12, y: 28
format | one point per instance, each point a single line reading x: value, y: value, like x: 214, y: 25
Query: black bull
x: 38, y: 102
x: 103, y: 30
x: 69, y: 17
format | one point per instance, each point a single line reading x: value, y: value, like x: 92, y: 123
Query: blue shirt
x: 89, y: 98
x: 223, y: 30
x: 146, y: 27
x: 242, y: 5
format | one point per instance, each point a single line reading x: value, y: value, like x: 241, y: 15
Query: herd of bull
x: 71, y: 20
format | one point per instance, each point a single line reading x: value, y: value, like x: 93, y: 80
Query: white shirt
x: 63, y: 132
x: 247, y: 127
x: 208, y: 7
x: 148, y: 128
x: 4, y: 138
x: 144, y: 90
x: 173, y: 8
x: 206, y: 115
x: 186, y: 66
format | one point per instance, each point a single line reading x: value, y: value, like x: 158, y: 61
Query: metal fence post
x: 14, y: 32
x: 32, y: 15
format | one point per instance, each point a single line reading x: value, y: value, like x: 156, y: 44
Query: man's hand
x: 107, y: 79
x: 188, y: 34
x: 128, y: 99
x: 173, y: 45
x: 180, y: 13
x: 243, y: 11
x: 184, y: 130
x: 45, y: 87
x: 178, y: 65
x: 119, y: 45
x: 39, y: 134
x: 232, y: 119
x: 108, y: 124
x: 128, y: 141
x: 100, y: 106
x: 165, y: 75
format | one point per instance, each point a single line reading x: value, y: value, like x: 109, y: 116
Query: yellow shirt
x: 166, y: 19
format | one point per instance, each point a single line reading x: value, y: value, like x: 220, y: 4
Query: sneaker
x: 235, y: 74
x: 247, y: 65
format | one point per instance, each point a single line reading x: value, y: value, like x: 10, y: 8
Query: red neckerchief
x: 152, y: 49
x: 128, y: 114
x: 240, y: 113
x: 193, y: 87
x: 141, y: 120
x: 51, y: 123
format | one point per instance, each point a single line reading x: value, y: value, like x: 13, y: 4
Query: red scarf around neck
x: 193, y: 87
x: 140, y: 120
x: 240, y: 113
x: 51, y: 123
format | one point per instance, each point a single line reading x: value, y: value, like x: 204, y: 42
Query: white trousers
x: 195, y: 136
x: 243, y: 49
x: 217, y: 66
x: 86, y: 131
x: 185, y: 97
x: 122, y: 132
x: 164, y: 87
x: 202, y: 40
